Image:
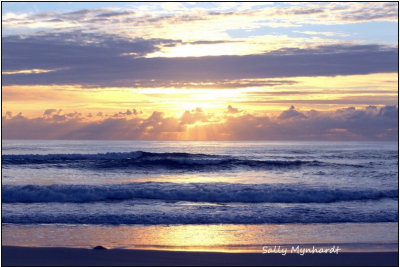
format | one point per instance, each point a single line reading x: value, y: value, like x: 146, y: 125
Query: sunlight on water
x: 247, y: 177
x: 228, y: 238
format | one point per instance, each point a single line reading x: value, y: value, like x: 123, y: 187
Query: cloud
x: 341, y: 34
x: 387, y: 111
x: 113, y: 14
x: 336, y: 13
x: 369, y: 123
x: 191, y: 117
x: 107, y: 61
x: 155, y: 127
x: 291, y: 113
x: 356, y: 124
x: 75, y: 126
x: 8, y: 115
x: 64, y: 50
x: 232, y: 110
x: 356, y: 100
x: 161, y: 19
x: 210, y: 84
x: 48, y: 112
x: 313, y: 92
x: 32, y: 71
x: 384, y: 11
x: 127, y: 113
x: 297, y: 10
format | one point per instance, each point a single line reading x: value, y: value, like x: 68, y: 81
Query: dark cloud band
x: 93, y: 60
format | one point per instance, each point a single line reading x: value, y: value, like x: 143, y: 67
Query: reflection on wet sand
x: 222, y: 238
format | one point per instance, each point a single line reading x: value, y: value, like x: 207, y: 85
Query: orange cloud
x: 369, y: 123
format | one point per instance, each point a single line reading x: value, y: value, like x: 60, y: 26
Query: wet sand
x: 34, y: 256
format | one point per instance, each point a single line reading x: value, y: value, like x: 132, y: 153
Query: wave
x: 140, y: 159
x: 195, y: 192
x: 170, y: 212
x: 201, y: 218
x: 150, y: 161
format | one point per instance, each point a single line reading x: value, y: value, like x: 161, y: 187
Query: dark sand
x: 77, y: 256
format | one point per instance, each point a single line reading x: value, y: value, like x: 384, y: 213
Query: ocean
x: 211, y: 196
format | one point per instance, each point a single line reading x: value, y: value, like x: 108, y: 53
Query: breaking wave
x: 150, y: 161
x: 196, y: 192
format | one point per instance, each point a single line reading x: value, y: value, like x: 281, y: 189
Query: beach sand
x: 35, y: 256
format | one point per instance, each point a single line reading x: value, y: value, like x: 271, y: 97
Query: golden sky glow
x: 326, y: 93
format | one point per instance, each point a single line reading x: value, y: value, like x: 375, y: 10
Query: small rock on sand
x: 99, y: 247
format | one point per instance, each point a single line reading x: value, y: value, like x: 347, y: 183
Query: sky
x: 200, y: 71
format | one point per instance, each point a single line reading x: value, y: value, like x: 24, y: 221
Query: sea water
x: 230, y: 196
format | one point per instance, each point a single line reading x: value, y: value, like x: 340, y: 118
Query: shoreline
x: 58, y: 256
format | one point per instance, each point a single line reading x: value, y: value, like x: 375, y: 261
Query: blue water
x: 154, y: 183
